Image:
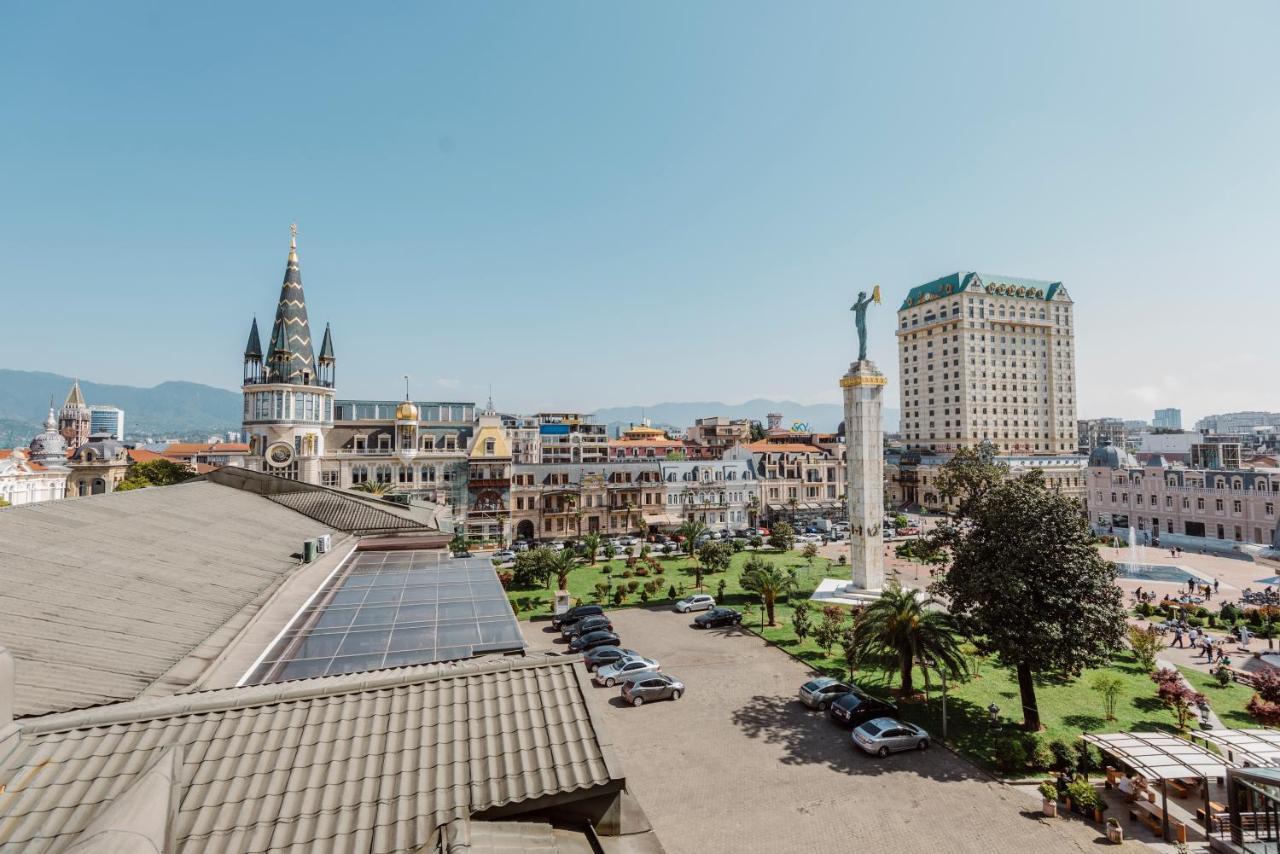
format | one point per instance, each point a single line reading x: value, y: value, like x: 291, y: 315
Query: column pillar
x: 863, y: 388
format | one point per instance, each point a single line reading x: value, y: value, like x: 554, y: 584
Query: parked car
x: 523, y: 546
x: 654, y: 686
x: 586, y: 625
x: 591, y: 640
x: 718, y: 617
x: 820, y: 693
x: 555, y: 546
x: 504, y: 556
x: 603, y: 655
x: 624, y: 669
x: 696, y: 602
x: 883, y: 736
x: 462, y: 554
x: 854, y: 708
x: 576, y: 613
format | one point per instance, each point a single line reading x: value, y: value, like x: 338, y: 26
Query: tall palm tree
x: 768, y: 580
x: 690, y: 529
x: 904, y: 628
x: 562, y: 563
x: 373, y: 487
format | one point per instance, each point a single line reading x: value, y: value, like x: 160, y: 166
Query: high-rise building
x: 1167, y: 419
x: 987, y: 358
x: 1238, y: 422
x: 106, y: 421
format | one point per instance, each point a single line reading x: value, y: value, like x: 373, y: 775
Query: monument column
x: 863, y: 389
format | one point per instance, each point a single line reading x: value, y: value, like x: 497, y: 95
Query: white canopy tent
x: 1250, y: 748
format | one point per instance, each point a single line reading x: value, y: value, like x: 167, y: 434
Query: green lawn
x: 1067, y: 707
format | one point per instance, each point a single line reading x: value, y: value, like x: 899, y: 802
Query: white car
x: 503, y: 557
x: 624, y: 669
x: 556, y: 546
x: 697, y: 602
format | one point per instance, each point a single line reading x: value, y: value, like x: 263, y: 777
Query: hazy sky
x: 590, y: 204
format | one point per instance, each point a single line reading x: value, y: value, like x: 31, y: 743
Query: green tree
x: 900, y: 628
x: 590, y: 545
x: 610, y: 551
x: 757, y: 431
x: 782, y: 536
x: 1108, y: 687
x: 715, y: 556
x: 809, y: 552
x: 851, y: 648
x: 768, y: 580
x: 901, y: 521
x: 458, y: 543
x: 560, y: 564
x: 968, y: 476
x: 801, y: 622
x: 1146, y: 645
x: 1026, y: 577
x: 531, y: 568
x: 154, y: 473
x: 830, y: 628
x: 690, y: 530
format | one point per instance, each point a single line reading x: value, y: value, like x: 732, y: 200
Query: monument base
x: 841, y: 591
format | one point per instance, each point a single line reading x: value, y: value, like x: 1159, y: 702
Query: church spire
x: 74, y: 397
x: 294, y: 361
x: 253, y: 349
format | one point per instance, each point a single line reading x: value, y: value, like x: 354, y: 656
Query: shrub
x: 1087, y: 758
x: 1086, y: 796
x: 619, y: 595
x: 1011, y: 755
x: 642, y: 571
x: 626, y: 573
x: 1038, y: 752
x: 1223, y: 676
x: 1202, y: 612
x: 644, y: 596
x: 633, y: 585
x: 1144, y: 609
x: 1229, y: 613
x: 843, y: 559
x: 1064, y: 755
x: 671, y: 592
x: 1146, y: 645
x: 1264, y: 705
x: 504, y: 578
x: 1195, y: 622
x: 1179, y: 697
x: 1048, y: 791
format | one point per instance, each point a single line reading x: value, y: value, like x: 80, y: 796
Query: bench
x: 1179, y: 788
x: 1150, y: 815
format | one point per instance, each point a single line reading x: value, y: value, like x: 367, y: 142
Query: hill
x: 168, y: 409
x: 824, y: 417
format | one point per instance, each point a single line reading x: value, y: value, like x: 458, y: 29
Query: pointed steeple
x: 291, y: 334
x: 74, y: 397
x: 254, y: 347
x: 326, y: 346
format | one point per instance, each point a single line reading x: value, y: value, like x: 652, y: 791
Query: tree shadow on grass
x: 1148, y: 704
x: 1084, y: 722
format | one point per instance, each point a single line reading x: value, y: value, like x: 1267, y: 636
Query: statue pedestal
x: 863, y: 388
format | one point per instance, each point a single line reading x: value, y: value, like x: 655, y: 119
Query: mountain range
x: 171, y: 409
x: 190, y: 410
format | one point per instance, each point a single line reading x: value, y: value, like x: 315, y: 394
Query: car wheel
x: 923, y: 745
x: 882, y: 752
x: 609, y: 683
x: 637, y: 701
x: 675, y: 695
x: 822, y: 707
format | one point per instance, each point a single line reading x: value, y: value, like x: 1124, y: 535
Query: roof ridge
x: 274, y: 693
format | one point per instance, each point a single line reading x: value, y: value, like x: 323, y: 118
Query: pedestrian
x: 1177, y: 637
x: 1215, y: 585
x: 1244, y: 636
x: 1193, y: 636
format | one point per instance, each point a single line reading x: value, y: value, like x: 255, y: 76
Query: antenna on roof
x: 406, y: 386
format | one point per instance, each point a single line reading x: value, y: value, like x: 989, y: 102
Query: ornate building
x: 97, y: 467
x: 75, y: 421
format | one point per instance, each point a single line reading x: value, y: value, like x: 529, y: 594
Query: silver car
x: 883, y: 736
x: 821, y: 692
x: 624, y: 669
x: 696, y: 602
x: 650, y: 687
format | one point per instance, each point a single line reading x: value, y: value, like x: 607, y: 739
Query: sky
x: 596, y: 204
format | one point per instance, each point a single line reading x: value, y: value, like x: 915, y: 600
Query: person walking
x: 1244, y: 636
x: 1177, y: 637
x: 1215, y: 585
x: 1193, y: 638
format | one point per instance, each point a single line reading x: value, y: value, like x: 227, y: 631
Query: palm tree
x: 904, y: 628
x: 768, y: 580
x: 590, y: 544
x: 690, y: 529
x: 373, y: 487
x: 754, y: 502
x: 562, y: 563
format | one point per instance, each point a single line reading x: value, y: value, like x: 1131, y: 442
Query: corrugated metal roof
x: 101, y: 596
x: 368, y: 763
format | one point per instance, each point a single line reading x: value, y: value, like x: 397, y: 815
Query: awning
x: 1158, y: 755
x: 662, y: 519
x: 1253, y: 747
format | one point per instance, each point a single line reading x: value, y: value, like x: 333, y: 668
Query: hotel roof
x: 991, y: 282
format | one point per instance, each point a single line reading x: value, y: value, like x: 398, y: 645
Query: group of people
x: 1213, y: 650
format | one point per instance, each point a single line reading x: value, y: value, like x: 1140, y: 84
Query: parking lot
x: 738, y: 765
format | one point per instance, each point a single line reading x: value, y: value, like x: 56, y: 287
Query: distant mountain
x: 822, y: 417
x: 170, y: 409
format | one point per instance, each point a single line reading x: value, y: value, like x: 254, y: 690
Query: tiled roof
x: 956, y: 282
x: 101, y: 596
x: 176, y: 448
x: 368, y: 763
x: 142, y: 455
x: 349, y: 514
x: 783, y: 448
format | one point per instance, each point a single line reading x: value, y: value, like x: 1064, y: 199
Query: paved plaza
x: 738, y: 765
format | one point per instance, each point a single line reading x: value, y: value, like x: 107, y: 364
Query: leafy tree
x: 610, y: 552
x: 830, y: 628
x: 458, y: 543
x: 901, y: 629
x: 560, y: 564
x: 1177, y: 696
x: 923, y: 549
x: 154, y: 473
x: 1146, y: 645
x: 1108, y: 687
x: 851, y: 647
x: 590, y: 545
x: 757, y: 431
x: 801, y: 622
x: 901, y: 521
x: 968, y: 476
x: 782, y: 536
x: 768, y: 580
x: 809, y: 552
x: 1026, y: 577
x: 531, y: 568
x: 715, y: 556
x: 1264, y: 705
x: 690, y: 530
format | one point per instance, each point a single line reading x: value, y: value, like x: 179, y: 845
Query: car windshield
x: 870, y: 728
x: 851, y: 700
x: 815, y: 684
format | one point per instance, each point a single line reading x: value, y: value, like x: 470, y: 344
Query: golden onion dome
x: 406, y: 411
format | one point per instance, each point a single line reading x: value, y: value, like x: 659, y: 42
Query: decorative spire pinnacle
x: 293, y: 242
x: 406, y: 386
x: 326, y: 346
x: 254, y: 346
x: 291, y: 350
x: 74, y: 397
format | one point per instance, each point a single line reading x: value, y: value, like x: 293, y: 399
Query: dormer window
x: 489, y: 447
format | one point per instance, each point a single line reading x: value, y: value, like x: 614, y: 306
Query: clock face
x: 280, y: 454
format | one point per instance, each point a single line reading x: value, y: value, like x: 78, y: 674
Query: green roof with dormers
x: 957, y: 282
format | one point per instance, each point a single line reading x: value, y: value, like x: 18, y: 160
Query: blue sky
x: 590, y: 204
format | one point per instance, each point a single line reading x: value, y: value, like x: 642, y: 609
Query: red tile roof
x: 188, y: 448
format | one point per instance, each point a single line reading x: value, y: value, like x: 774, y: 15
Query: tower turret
x: 253, y: 356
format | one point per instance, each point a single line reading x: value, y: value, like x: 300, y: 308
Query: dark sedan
x: 855, y: 708
x: 592, y: 640
x: 587, y: 625
x: 576, y: 613
x: 718, y: 617
x: 605, y: 655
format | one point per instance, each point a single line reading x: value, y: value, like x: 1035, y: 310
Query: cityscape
x: 920, y: 600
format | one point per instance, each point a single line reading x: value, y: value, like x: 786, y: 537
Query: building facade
x: 722, y: 494
x: 801, y: 477
x: 1193, y: 507
x: 97, y: 467
x: 75, y: 422
x: 106, y: 421
x: 718, y: 434
x: 571, y: 438
x: 1095, y: 432
x: 911, y: 477
x: 552, y: 501
x: 988, y: 358
x: 1238, y: 422
x: 25, y: 481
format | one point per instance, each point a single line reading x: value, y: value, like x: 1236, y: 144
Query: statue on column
x: 859, y: 310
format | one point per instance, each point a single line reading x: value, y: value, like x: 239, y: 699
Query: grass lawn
x: 1067, y: 707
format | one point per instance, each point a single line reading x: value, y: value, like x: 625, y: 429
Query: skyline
x: 490, y: 195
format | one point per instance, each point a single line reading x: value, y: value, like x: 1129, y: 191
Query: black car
x: 602, y: 655
x: 576, y: 613
x: 856, y: 708
x: 718, y: 617
x: 587, y: 625
x: 592, y: 640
